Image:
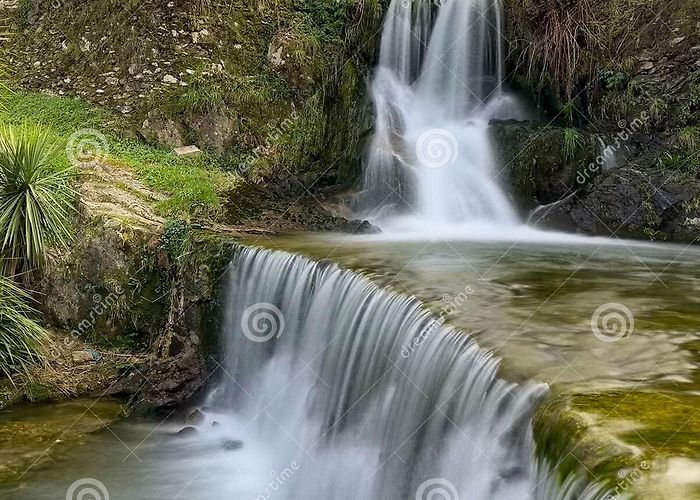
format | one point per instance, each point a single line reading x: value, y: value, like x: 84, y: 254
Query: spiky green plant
x: 22, y: 341
x: 573, y: 141
x: 36, y: 197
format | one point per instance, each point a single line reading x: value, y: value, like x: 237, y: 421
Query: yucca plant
x: 36, y: 197
x: 22, y: 341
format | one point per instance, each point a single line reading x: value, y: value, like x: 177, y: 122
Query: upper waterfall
x: 438, y: 82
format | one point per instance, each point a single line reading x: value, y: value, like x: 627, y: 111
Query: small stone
x: 677, y: 40
x: 83, y: 356
x: 194, y: 416
x: 646, y: 66
x: 99, y: 91
x: 233, y: 444
x: 187, y: 151
x: 170, y: 79
x: 186, y: 431
x: 112, y: 81
x: 215, y: 424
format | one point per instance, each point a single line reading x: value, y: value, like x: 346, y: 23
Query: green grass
x: 573, y: 142
x: 193, y: 185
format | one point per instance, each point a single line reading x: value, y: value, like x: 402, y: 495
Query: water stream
x: 438, y: 82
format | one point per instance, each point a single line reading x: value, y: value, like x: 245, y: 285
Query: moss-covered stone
x: 626, y: 439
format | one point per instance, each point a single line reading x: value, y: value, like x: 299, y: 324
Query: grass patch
x: 193, y: 185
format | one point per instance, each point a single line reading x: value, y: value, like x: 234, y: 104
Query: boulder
x: 161, y: 130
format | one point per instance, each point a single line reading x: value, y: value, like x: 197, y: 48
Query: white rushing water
x: 340, y: 390
x: 438, y: 82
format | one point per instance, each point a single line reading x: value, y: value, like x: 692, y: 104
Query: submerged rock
x: 194, y: 416
x: 186, y: 431
x: 233, y: 444
x: 359, y: 226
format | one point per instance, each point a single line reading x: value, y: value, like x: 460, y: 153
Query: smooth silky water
x: 343, y: 402
x: 339, y: 385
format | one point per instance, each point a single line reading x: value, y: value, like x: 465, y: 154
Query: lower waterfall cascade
x: 363, y: 394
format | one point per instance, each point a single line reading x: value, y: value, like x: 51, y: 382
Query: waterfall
x: 438, y: 82
x: 360, y: 393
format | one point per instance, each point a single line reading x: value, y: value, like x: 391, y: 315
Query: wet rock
x: 631, y: 202
x: 194, y: 416
x: 233, y: 444
x: 186, y: 431
x: 215, y: 424
x: 536, y: 168
x: 359, y: 226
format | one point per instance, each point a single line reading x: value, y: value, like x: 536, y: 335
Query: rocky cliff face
x: 628, y: 72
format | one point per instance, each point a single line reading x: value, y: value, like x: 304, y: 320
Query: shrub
x: 35, y: 197
x: 22, y: 340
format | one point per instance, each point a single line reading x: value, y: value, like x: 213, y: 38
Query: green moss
x: 176, y: 238
x: 666, y: 424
